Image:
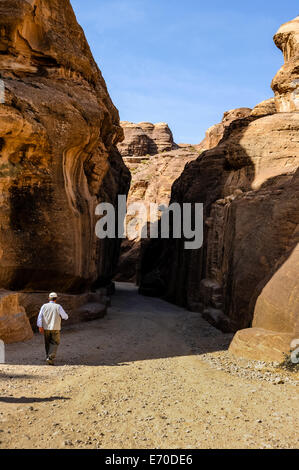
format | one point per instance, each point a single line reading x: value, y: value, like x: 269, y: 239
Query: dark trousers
x: 52, y: 341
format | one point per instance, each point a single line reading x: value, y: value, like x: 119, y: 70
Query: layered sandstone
x: 145, y: 139
x: 250, y: 190
x: 58, y: 135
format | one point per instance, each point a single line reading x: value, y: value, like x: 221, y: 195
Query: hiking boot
x: 50, y: 362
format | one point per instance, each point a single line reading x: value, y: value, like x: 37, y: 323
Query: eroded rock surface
x: 58, y: 135
x: 145, y: 139
x: 286, y: 82
x: 58, y: 131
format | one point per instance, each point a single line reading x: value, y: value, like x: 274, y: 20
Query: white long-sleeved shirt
x: 50, y: 315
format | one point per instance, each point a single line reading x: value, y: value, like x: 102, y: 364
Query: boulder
x: 260, y: 344
x: 91, y: 311
x: 264, y: 108
x: 14, y: 324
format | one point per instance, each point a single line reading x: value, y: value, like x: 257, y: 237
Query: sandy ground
x: 149, y: 375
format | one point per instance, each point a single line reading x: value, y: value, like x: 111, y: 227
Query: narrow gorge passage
x: 148, y: 375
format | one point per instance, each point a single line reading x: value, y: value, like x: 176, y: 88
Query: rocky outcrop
x: 58, y: 135
x: 286, y: 83
x: 264, y: 108
x: 215, y: 133
x: 145, y: 139
x: 249, y: 187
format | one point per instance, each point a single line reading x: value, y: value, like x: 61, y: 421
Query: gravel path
x: 149, y: 375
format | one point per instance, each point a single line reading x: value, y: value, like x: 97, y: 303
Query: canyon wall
x: 249, y: 186
x: 58, y: 135
x: 155, y: 162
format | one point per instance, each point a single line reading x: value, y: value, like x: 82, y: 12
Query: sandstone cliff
x: 145, y: 138
x: 58, y: 136
x: 249, y: 187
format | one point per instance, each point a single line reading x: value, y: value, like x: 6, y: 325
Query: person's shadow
x: 30, y: 399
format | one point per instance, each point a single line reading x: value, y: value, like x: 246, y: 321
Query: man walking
x: 49, y: 324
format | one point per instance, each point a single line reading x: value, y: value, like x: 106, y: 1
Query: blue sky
x: 185, y: 62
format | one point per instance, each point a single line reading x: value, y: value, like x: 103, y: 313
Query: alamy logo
x: 140, y: 220
x: 2, y: 92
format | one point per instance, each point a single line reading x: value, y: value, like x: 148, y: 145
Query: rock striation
x: 145, y: 139
x: 245, y: 273
x: 58, y: 135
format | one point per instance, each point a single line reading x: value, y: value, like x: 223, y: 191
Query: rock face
x: 58, y: 132
x: 276, y: 318
x: 154, y: 173
x: 152, y: 181
x: 249, y: 187
x: 58, y: 136
x: 145, y: 138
